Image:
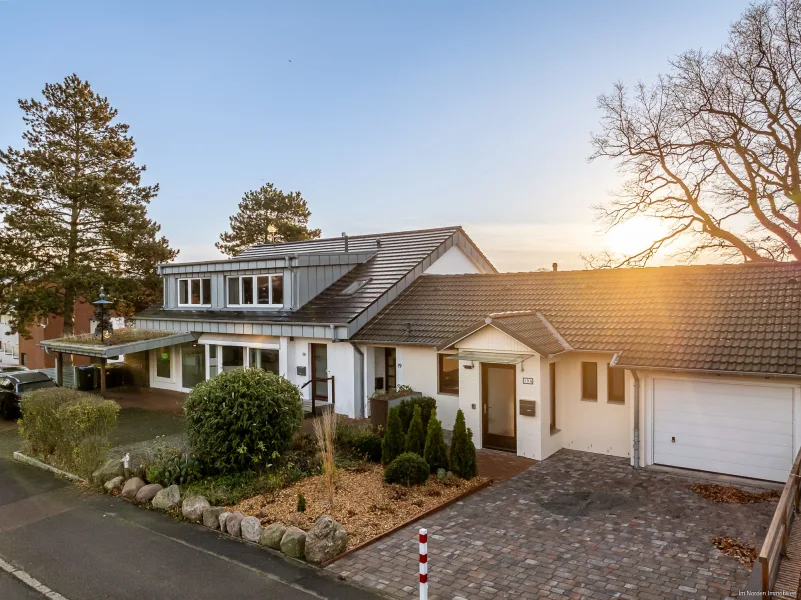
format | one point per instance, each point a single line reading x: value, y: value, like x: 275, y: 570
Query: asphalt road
x: 85, y: 545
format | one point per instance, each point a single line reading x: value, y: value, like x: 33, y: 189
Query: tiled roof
x: 531, y: 329
x: 737, y: 318
x: 396, y: 256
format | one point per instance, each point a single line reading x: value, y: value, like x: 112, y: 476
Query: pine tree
x: 393, y: 443
x: 463, y: 450
x: 416, y: 436
x: 73, y: 210
x: 262, y: 208
x: 435, y: 452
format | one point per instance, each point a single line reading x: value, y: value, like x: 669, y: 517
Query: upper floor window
x: 252, y: 290
x: 194, y: 291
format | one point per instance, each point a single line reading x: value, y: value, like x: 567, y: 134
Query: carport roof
x: 113, y: 351
x: 719, y: 318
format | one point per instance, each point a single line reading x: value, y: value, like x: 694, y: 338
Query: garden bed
x: 364, y: 505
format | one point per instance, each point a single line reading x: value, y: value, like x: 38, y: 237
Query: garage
x: 733, y: 428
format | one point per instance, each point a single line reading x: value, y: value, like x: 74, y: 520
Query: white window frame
x: 189, y: 281
x: 254, y: 278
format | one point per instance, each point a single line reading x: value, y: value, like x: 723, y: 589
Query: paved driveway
x: 641, y: 534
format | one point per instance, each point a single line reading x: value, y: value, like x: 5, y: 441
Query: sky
x: 386, y: 115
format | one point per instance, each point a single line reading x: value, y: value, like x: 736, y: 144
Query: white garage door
x: 737, y: 429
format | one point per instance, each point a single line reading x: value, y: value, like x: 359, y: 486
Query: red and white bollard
x: 423, y: 564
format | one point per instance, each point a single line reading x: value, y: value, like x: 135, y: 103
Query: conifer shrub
x: 463, y: 451
x: 407, y: 469
x: 416, y: 434
x: 393, y: 444
x: 407, y: 407
x: 435, y: 451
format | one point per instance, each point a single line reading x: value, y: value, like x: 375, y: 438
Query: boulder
x: 211, y: 516
x: 193, y: 507
x: 251, y: 529
x: 132, y: 487
x: 167, y: 498
x: 272, y: 534
x: 223, y: 520
x: 113, y: 484
x: 147, y: 492
x: 110, y: 470
x: 293, y: 543
x: 325, y: 540
x: 233, y: 525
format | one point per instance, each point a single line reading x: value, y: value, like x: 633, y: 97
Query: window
x: 233, y: 357
x: 194, y: 291
x: 163, y: 363
x: 267, y: 360
x: 552, y: 378
x: 616, y: 385
x: 589, y: 381
x: 193, y: 364
x: 448, y: 374
x: 356, y: 286
x: 256, y: 290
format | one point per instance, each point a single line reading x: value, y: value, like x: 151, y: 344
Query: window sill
x: 455, y: 394
x: 618, y: 402
x: 194, y: 306
x: 555, y: 430
x: 253, y: 305
x: 589, y: 399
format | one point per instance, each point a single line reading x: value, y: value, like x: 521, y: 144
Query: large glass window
x: 266, y: 360
x: 163, y: 363
x: 233, y: 357
x: 194, y: 291
x: 256, y: 290
x: 448, y: 374
x: 214, y: 365
x: 193, y: 364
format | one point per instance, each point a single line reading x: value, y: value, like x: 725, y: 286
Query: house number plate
x: 528, y: 380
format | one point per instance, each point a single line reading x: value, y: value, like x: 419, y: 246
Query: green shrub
x: 394, y: 441
x: 416, y: 434
x: 407, y: 407
x: 435, y: 452
x: 242, y: 420
x: 301, y: 503
x: 359, y: 440
x: 173, y: 466
x: 463, y: 451
x: 407, y: 469
x: 67, y: 428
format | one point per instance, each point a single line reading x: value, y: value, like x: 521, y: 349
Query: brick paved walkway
x: 641, y: 535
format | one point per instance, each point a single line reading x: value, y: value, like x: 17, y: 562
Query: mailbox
x: 302, y: 371
x: 528, y: 408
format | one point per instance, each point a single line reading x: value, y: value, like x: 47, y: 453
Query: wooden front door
x: 389, y: 367
x: 319, y: 370
x: 498, y: 392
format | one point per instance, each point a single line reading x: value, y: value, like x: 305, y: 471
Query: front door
x: 499, y: 425
x: 319, y: 370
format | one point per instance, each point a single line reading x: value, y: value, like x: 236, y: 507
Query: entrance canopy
x: 501, y: 358
x: 118, y: 343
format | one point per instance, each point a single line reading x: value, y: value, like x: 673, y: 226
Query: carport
x: 93, y: 347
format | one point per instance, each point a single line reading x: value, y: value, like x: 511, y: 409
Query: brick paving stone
x: 512, y: 541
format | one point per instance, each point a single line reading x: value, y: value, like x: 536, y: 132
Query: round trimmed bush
x: 408, y: 469
x: 242, y: 420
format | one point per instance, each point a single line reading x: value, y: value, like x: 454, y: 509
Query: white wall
x: 453, y: 262
x: 417, y: 368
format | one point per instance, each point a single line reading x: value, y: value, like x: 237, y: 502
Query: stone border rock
x: 33, y: 462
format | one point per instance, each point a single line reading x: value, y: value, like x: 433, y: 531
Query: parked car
x: 14, y: 386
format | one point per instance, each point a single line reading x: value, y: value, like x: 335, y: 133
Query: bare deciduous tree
x: 712, y: 148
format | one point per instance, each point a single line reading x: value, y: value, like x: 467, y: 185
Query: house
x: 33, y: 355
x: 695, y: 367
x: 293, y: 308
x: 9, y: 340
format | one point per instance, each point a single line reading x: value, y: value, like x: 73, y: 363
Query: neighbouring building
x: 34, y: 356
x: 695, y: 367
x: 9, y: 340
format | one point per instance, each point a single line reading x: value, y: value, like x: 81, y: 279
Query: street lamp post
x: 104, y: 330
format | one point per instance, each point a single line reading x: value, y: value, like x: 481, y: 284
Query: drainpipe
x: 359, y: 387
x: 636, y: 418
x: 293, y: 305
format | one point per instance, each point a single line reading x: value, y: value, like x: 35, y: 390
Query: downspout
x: 293, y: 305
x: 359, y: 387
x: 636, y: 448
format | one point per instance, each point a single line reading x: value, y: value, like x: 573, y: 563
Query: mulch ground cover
x: 364, y: 505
